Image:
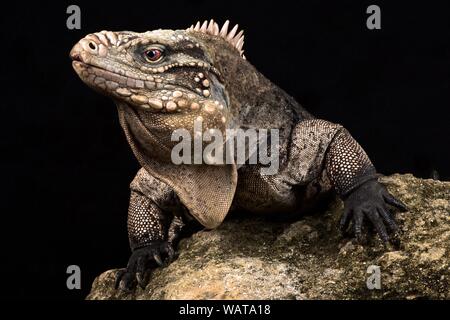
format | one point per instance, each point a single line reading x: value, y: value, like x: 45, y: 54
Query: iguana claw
x: 370, y: 202
x: 141, y: 260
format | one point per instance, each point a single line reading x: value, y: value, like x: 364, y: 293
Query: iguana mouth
x: 103, y: 78
x: 136, y: 91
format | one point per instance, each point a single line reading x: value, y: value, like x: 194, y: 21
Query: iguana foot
x: 158, y: 253
x: 371, y: 202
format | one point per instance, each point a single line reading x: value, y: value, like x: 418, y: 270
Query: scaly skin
x: 163, y: 80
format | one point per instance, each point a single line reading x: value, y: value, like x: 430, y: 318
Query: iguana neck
x: 254, y: 101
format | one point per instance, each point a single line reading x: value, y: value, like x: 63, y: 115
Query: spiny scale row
x: 235, y: 38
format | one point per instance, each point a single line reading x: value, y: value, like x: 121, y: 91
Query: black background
x: 66, y: 165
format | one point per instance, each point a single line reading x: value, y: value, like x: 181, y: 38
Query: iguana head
x: 164, y: 80
x: 178, y: 74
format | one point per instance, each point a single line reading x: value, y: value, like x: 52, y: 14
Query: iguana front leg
x: 355, y: 180
x: 151, y: 230
x: 319, y: 145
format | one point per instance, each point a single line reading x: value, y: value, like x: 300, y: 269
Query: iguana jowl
x: 163, y: 80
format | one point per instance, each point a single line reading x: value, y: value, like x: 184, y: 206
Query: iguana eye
x: 153, y: 55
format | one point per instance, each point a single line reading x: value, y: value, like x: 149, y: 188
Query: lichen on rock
x: 255, y: 258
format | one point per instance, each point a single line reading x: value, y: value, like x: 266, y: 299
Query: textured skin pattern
x: 321, y: 155
x: 315, y: 149
x: 175, y: 228
x: 310, y: 142
x: 155, y: 190
x: 263, y: 194
x: 212, y: 182
x: 347, y: 164
x: 145, y: 222
x: 155, y: 212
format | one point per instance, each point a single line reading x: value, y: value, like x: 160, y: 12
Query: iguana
x: 163, y: 80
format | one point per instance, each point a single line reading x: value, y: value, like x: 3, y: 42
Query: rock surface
x: 253, y: 258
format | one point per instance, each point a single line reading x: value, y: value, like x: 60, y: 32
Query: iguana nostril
x: 75, y: 57
x: 92, y: 45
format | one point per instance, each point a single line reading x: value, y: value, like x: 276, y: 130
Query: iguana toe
x: 142, y: 260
